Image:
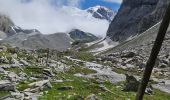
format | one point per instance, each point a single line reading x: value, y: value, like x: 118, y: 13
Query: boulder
x: 149, y: 89
x: 3, y: 59
x: 6, y: 85
x: 128, y: 55
x: 13, y: 77
x: 162, y: 65
x: 131, y: 83
x: 41, y: 84
x: 48, y: 72
x: 92, y: 97
x: 25, y: 63
x: 17, y: 95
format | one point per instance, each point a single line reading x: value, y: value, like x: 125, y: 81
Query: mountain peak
x: 95, y: 8
x: 102, y: 12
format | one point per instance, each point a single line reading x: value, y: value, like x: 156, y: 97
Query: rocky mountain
x: 8, y: 28
x: 143, y: 43
x: 97, y: 12
x: 33, y: 39
x: 58, y: 41
x: 5, y: 26
x: 102, y: 12
x: 135, y: 17
x: 81, y: 36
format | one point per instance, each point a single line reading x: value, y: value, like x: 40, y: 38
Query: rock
x: 5, y: 66
x: 13, y: 77
x: 59, y: 81
x: 149, y: 89
x: 162, y: 65
x: 131, y: 83
x: 141, y: 65
x: 15, y: 63
x: 52, y: 65
x: 128, y: 55
x: 130, y: 66
x: 4, y: 60
x: 31, y: 96
x: 2, y: 70
x: 25, y: 63
x: 17, y: 95
x: 22, y: 76
x: 165, y: 61
x: 66, y: 88
x: 92, y: 97
x: 3, y: 48
x: 48, y: 72
x: 6, y: 85
x: 41, y: 84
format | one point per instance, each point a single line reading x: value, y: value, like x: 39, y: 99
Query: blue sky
x: 90, y: 3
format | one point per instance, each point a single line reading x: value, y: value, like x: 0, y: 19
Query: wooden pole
x: 48, y: 51
x: 154, y: 53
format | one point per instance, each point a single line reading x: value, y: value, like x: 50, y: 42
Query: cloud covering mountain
x: 50, y: 16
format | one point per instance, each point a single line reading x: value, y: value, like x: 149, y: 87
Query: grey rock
x: 17, y: 95
x: 6, y: 85
x: 48, y: 72
x: 3, y: 59
x: 131, y: 83
x: 13, y: 77
x: 129, y: 55
x: 25, y: 63
x: 92, y: 97
x: 41, y: 84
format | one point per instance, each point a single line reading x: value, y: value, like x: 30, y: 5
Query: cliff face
x: 134, y: 17
x: 6, y: 24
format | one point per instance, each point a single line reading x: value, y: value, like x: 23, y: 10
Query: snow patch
x: 107, y: 44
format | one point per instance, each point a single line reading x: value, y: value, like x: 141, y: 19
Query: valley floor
x: 30, y: 75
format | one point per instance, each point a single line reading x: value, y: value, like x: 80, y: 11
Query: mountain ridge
x: 135, y: 17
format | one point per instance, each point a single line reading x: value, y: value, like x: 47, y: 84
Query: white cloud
x: 40, y: 14
x: 114, y: 1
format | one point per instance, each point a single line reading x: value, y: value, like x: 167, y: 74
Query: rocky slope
x: 81, y: 36
x: 134, y: 17
x: 58, y: 41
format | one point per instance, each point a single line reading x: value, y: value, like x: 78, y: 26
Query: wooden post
x: 154, y: 53
x: 48, y: 51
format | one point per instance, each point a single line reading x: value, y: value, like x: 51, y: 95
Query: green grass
x: 82, y: 55
x: 84, y: 87
x: 79, y: 69
x: 33, y: 70
x: 15, y: 70
x: 22, y: 85
x: 4, y: 93
x: 85, y: 56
